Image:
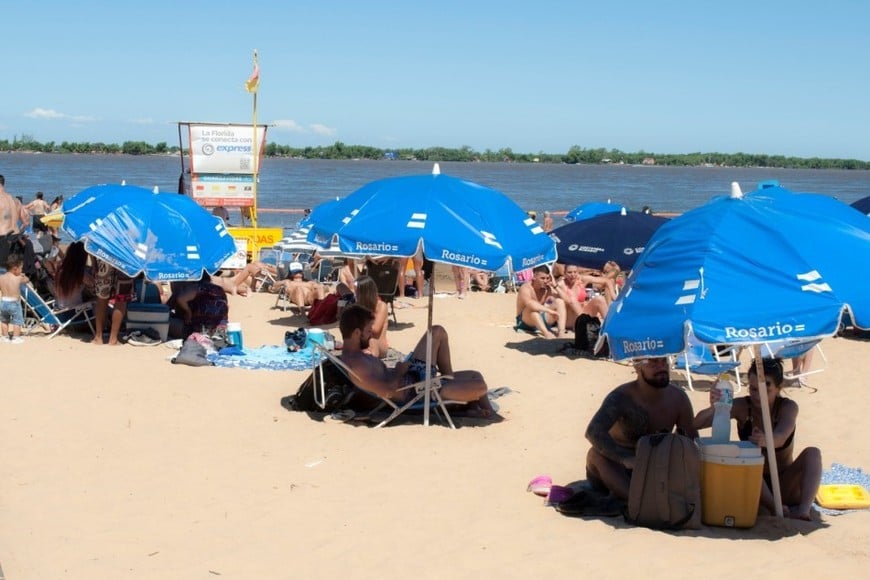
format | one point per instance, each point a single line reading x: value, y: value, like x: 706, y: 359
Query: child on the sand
x: 11, y: 315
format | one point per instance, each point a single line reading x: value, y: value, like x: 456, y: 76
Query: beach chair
x: 146, y: 292
x: 327, y: 270
x: 322, y: 393
x: 275, y: 258
x: 41, y: 312
x: 503, y: 278
x: 386, y: 277
x: 787, y: 349
x: 701, y: 359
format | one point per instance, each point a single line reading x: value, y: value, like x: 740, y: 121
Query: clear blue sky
x: 758, y: 76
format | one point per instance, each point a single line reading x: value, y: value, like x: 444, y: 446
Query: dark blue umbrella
x: 863, y: 205
x: 591, y: 209
x: 166, y: 236
x: 618, y: 237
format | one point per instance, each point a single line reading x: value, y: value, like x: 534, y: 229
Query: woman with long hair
x: 72, y: 276
x: 367, y: 296
x: 799, y: 477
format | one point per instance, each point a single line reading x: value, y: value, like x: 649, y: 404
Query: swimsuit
x: 520, y: 325
x: 744, y: 430
x: 10, y: 311
x: 417, y: 370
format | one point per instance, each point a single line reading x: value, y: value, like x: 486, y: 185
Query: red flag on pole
x: 253, y: 82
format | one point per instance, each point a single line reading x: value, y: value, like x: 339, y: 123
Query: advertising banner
x: 224, y: 148
x: 228, y: 190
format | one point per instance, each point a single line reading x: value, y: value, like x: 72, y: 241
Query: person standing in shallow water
x: 548, y: 222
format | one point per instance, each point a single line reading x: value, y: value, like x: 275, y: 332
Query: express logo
x: 207, y: 149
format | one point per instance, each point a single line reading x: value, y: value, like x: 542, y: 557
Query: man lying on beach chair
x: 401, y: 386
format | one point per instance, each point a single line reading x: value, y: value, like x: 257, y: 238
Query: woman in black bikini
x: 798, y: 477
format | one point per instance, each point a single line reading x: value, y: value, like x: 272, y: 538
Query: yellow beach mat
x: 843, y: 496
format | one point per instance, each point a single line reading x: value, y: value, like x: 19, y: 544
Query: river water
x: 288, y: 185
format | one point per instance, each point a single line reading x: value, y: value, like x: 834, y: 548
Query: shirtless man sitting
x: 650, y: 404
x: 539, y: 307
x: 374, y: 376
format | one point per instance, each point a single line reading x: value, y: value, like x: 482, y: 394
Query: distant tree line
x: 575, y: 154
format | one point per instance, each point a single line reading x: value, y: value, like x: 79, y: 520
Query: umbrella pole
x: 428, y: 387
x: 768, y: 433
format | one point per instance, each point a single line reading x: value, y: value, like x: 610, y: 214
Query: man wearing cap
x: 299, y: 291
x: 649, y: 404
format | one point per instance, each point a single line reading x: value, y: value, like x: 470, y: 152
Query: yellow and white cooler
x: 731, y: 475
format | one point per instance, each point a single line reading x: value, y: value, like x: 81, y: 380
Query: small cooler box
x: 147, y: 315
x: 731, y: 476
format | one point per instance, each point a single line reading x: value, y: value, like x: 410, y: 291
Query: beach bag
x: 665, y: 488
x: 324, y: 310
x: 586, y: 331
x: 340, y: 394
x: 192, y: 354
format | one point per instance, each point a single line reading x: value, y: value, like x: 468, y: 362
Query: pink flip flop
x: 558, y: 494
x: 541, y: 485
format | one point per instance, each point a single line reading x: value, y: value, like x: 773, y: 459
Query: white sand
x: 116, y: 463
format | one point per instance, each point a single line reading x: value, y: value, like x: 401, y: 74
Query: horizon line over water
x: 300, y: 183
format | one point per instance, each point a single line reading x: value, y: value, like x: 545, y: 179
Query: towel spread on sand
x: 842, y: 475
x: 273, y: 358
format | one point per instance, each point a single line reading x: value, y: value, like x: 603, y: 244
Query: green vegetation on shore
x: 575, y: 154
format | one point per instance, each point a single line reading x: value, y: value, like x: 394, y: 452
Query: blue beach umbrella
x: 320, y: 210
x: 591, y: 209
x: 453, y: 221
x: 166, y: 236
x: 863, y: 205
x: 618, y: 236
x: 745, y: 270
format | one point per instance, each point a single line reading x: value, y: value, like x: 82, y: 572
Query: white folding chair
x: 321, y: 389
x: 794, y: 348
x: 701, y: 359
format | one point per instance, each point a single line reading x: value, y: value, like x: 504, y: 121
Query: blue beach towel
x: 843, y: 475
x: 273, y: 358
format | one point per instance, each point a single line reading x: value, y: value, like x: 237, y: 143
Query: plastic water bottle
x: 722, y: 412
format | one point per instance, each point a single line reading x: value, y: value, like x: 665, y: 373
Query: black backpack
x: 586, y: 331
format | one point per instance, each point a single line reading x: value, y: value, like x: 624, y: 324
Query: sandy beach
x: 118, y: 464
